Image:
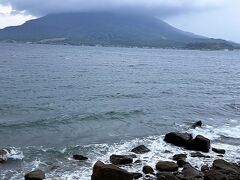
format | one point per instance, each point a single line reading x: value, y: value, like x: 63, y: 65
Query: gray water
x: 57, y: 100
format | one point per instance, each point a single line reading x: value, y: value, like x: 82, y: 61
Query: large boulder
x: 103, y: 171
x: 224, y: 165
x: 200, y: 143
x: 140, y: 149
x: 178, y: 139
x: 222, y: 170
x: 167, y: 166
x: 35, y: 175
x: 121, y: 159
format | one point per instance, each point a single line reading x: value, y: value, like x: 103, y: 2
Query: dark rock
x: 79, y: 157
x: 3, y: 154
x: 166, y: 176
x: 148, y: 170
x: 166, y: 166
x: 140, y: 149
x: 138, y: 161
x: 177, y: 157
x: 190, y: 172
x: 181, y: 162
x: 103, y: 171
x: 198, y: 154
x: 137, y: 175
x: 214, y: 175
x: 167, y: 151
x: 200, y: 143
x: 197, y: 124
x: 225, y: 169
x: 204, y: 168
x: 221, y: 164
x: 178, y: 139
x: 219, y: 151
x: 220, y: 155
x: 35, y: 175
x: 121, y: 159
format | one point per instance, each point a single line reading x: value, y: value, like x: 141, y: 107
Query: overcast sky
x: 212, y: 18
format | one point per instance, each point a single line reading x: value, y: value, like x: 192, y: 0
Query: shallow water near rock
x: 56, y: 101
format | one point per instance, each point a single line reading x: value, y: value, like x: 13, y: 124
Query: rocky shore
x: 176, y: 168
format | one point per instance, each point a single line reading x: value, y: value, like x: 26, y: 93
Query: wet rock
x: 79, y: 157
x: 222, y: 164
x: 197, y: 124
x: 35, y: 175
x: 138, y: 161
x: 137, y: 175
x: 3, y: 154
x: 223, y: 169
x: 121, y: 159
x: 190, y: 172
x: 200, y: 143
x: 103, y: 171
x: 198, y: 154
x: 178, y: 139
x: 181, y: 162
x: 140, y: 149
x: 204, y: 168
x: 166, y: 176
x: 219, y: 151
x: 148, y: 170
x: 177, y: 157
x: 214, y: 175
x: 167, y: 151
x: 149, y: 177
x: 166, y: 166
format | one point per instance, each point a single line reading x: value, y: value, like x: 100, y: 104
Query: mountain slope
x: 103, y: 28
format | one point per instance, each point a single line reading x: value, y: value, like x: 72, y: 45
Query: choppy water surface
x: 59, y: 100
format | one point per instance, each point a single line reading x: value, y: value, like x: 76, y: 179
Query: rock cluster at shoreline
x: 178, y: 168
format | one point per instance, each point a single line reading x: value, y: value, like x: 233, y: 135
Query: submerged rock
x: 148, y: 170
x: 178, y: 139
x: 79, y: 157
x: 121, y: 159
x: 103, y: 171
x: 35, y: 175
x: 219, y: 151
x: 198, y: 154
x: 199, y: 143
x: 140, y: 149
x: 166, y: 166
x: 137, y: 175
x: 197, y: 124
x: 3, y: 154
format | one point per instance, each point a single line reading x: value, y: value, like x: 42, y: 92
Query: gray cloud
x: 156, y: 7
